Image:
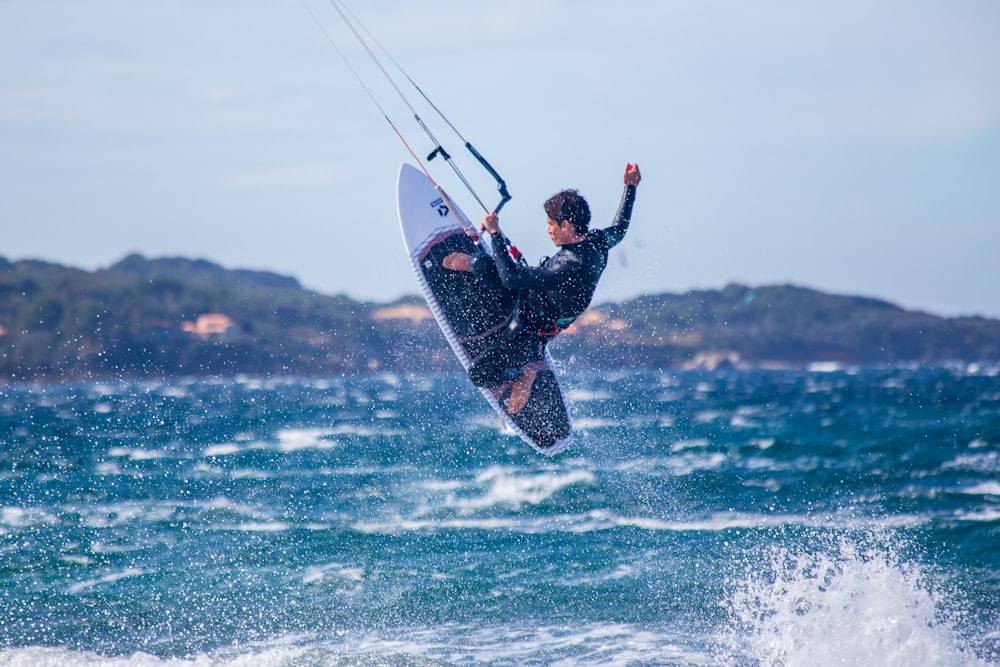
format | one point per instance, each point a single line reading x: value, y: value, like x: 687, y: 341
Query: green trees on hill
x: 169, y: 317
x: 137, y: 319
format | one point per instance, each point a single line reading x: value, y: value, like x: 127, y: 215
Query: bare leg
x: 520, y: 392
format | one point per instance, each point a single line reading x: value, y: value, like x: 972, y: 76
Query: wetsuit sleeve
x: 480, y: 263
x: 616, y: 232
x: 516, y: 276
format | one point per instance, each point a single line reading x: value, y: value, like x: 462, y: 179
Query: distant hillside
x: 199, y: 270
x: 168, y: 317
x: 775, y: 325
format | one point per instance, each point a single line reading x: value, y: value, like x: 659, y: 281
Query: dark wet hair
x: 569, y: 205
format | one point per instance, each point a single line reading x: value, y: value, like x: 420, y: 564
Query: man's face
x: 560, y: 232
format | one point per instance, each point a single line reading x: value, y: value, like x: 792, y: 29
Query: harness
x: 558, y: 326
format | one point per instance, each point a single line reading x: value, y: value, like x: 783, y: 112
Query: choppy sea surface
x: 831, y: 516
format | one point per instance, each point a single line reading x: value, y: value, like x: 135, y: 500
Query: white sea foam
x: 500, y: 486
x: 250, y: 473
x: 707, y: 416
x: 254, y: 527
x: 609, y: 644
x: 987, y: 462
x: 76, y: 559
x: 293, y: 439
x: 60, y: 657
x: 400, y: 525
x: 224, y: 503
x: 117, y: 514
x: 108, y: 468
x: 338, y: 571
x: 602, y: 520
x: 844, y: 605
x: 578, y: 395
x: 824, y: 367
x: 173, y: 391
x: 592, y: 423
x: 109, y: 578
x: 990, y: 488
x: 364, y: 430
x: 20, y: 517
x: 697, y: 443
x: 136, y: 454
x: 983, y: 514
x: 742, y: 422
x: 689, y: 462
x: 226, y: 449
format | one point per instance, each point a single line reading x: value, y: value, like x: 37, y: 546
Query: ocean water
x: 835, y: 516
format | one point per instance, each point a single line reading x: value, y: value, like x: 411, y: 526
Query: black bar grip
x: 501, y: 185
x: 438, y: 151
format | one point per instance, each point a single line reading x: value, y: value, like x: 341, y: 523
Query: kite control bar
x: 501, y: 185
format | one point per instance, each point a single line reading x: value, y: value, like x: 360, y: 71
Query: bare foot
x: 521, y: 391
x: 456, y: 261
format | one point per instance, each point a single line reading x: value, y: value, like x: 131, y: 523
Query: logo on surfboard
x: 439, y: 205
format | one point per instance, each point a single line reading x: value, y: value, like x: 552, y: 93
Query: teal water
x: 836, y: 516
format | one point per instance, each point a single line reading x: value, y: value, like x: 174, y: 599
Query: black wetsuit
x: 550, y: 297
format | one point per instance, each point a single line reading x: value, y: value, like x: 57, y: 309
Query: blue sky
x: 852, y: 147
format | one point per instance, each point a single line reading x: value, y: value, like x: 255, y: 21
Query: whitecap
x: 226, y: 449
x: 585, y: 395
x: 503, y: 486
x: 257, y: 527
x: 824, y: 367
x: 107, y: 516
x: 988, y: 462
x: 250, y: 473
x: 136, y: 454
x: 294, y: 439
x: 593, y: 423
x: 339, y: 571
x: 106, y: 579
x: 990, y: 488
x: 697, y: 443
x: 739, y: 421
x: 401, y: 525
x: 365, y: 430
x: 76, y: 560
x: 19, y: 517
x: 841, y: 604
x: 984, y: 515
x: 690, y: 462
x: 707, y: 416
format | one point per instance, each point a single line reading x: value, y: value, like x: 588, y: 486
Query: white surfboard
x: 473, y: 311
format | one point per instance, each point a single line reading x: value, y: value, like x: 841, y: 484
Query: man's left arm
x: 616, y: 232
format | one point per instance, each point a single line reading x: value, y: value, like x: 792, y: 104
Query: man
x: 551, y: 295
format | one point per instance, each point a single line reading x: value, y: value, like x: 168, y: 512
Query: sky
x: 850, y: 147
